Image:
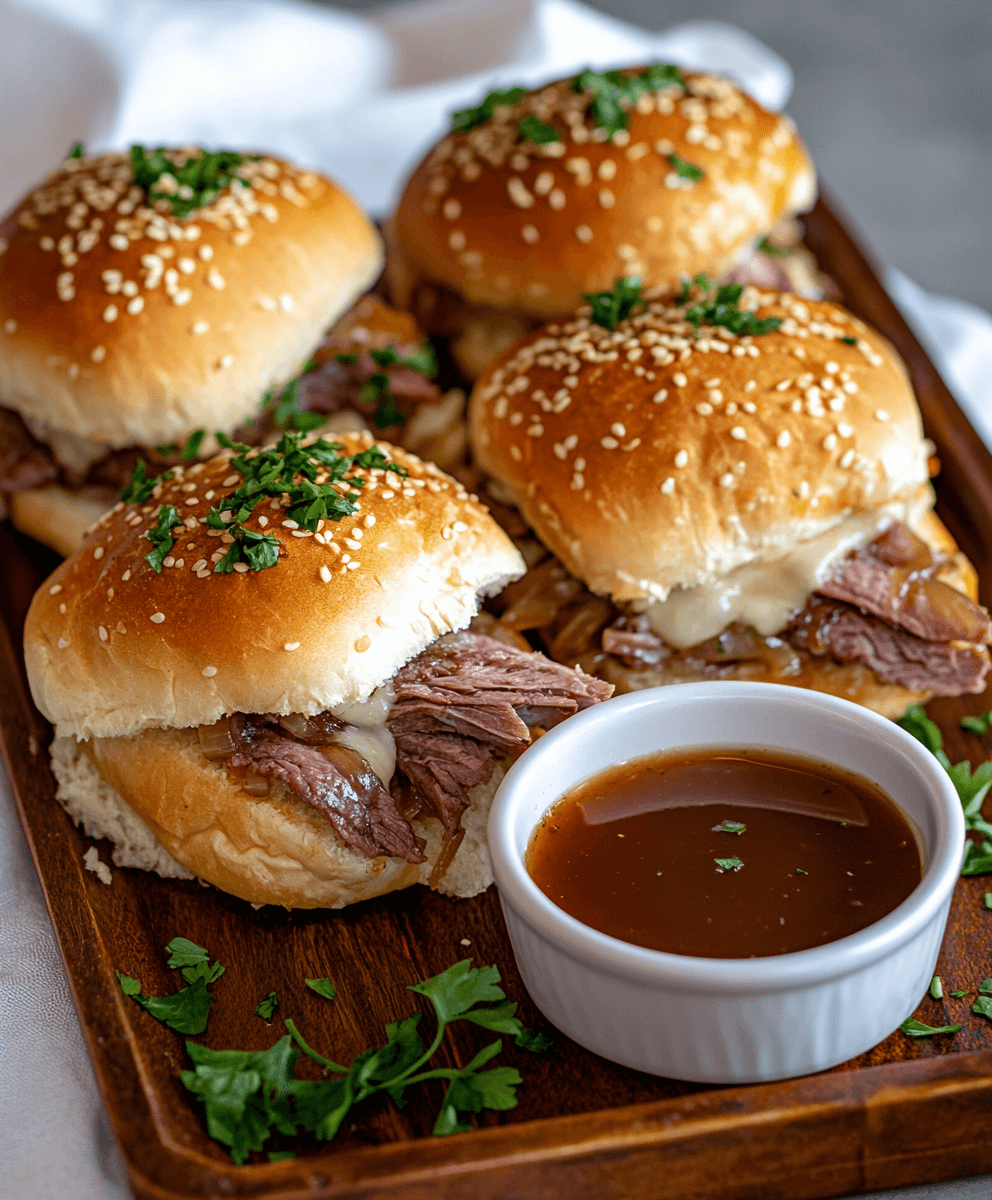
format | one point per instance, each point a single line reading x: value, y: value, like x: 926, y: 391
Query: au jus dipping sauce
x: 725, y: 853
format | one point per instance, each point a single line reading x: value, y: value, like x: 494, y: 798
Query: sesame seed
x: 783, y: 439
x: 727, y: 480
x: 659, y: 396
x: 126, y: 576
x: 55, y: 589
x: 291, y: 646
x: 103, y: 634
x: 205, y: 253
x: 157, y: 618
x: 529, y: 234
x: 681, y: 458
x: 216, y: 280
x: 830, y: 441
x: 668, y: 486
x: 286, y: 303
x: 98, y: 552
x: 881, y: 414
x: 738, y: 433
x: 606, y: 198
x: 325, y: 574
x: 210, y: 672
x: 182, y: 297
x: 110, y: 313
x: 10, y: 325
x: 199, y: 327
x: 609, y: 443
x: 704, y: 409
x: 226, y: 360
x: 584, y: 233
x: 618, y: 429
x: 847, y: 458
x: 457, y: 240
x: 679, y: 379
x: 844, y: 429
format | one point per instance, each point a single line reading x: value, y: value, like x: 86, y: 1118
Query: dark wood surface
x: 905, y: 1113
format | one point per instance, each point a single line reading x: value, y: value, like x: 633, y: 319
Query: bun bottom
x: 269, y: 850
x: 56, y: 516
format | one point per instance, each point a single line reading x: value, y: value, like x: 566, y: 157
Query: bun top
x: 555, y: 193
x: 648, y: 457
x: 123, y: 321
x: 113, y: 647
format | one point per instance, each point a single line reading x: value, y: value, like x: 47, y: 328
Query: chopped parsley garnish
x: 721, y: 306
x: 77, y: 150
x: 141, y: 485
x: 800, y: 871
x: 957, y: 995
x: 289, y: 469
x: 985, y: 987
x: 616, y: 91
x: 728, y: 864
x: 730, y: 827
x: 267, y: 1007
x: 323, y: 987
x: 979, y: 724
x: 187, y: 1010
x: 378, y: 392
x: 936, y: 988
x: 685, y: 170
x: 537, y: 131
x: 423, y: 361
x: 249, y: 1095
x: 983, y: 1007
x: 610, y: 308
x: 200, y: 179
x: 347, y: 359
x: 971, y: 787
x: 916, y: 1029
x: 287, y: 404
x: 468, y: 118
x: 770, y: 250
x: 849, y: 341
x: 193, y: 443
x: 161, y: 537
x: 988, y: 900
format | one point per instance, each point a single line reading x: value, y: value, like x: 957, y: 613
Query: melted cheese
x: 765, y: 594
x: 366, y: 731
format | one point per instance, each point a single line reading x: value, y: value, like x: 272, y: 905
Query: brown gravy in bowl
x: 725, y: 853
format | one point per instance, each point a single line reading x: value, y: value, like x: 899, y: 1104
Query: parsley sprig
x: 541, y: 133
x: 188, y: 1010
x: 287, y: 413
x: 610, y: 308
x: 616, y: 91
x: 200, y: 179
x: 971, y: 787
x: 684, y: 169
x: 249, y: 1095
x: 289, y: 469
x: 469, y: 118
x: 141, y: 484
x: 161, y: 537
x: 721, y: 306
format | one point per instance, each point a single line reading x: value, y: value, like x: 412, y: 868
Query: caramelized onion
x: 319, y: 730
x: 296, y: 724
x: 217, y: 741
x: 449, y: 849
x: 255, y: 785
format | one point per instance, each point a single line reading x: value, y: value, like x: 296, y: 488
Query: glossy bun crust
x: 113, y: 648
x: 507, y: 223
x: 648, y: 458
x: 124, y: 325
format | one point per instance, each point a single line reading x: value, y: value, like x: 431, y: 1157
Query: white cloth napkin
x: 361, y: 99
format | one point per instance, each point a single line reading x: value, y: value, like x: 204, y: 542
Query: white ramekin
x: 727, y: 1020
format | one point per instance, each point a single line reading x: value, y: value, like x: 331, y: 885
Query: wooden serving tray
x: 907, y: 1112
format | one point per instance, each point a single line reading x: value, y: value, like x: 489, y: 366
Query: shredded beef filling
x: 468, y: 700
x: 887, y: 609
x: 460, y: 705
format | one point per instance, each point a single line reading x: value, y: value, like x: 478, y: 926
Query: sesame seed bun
x: 648, y: 459
x: 113, y: 648
x: 124, y: 324
x: 503, y: 222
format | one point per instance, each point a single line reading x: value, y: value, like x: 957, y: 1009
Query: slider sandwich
x: 149, y: 297
x: 731, y: 484
x: 260, y: 673
x: 536, y: 198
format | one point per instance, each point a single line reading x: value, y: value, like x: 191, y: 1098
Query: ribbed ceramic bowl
x: 727, y: 1020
